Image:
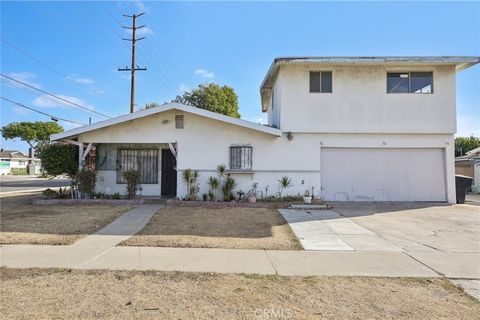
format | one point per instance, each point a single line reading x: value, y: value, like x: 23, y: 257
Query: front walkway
x: 99, y: 251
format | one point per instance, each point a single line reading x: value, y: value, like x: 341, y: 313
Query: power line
x: 54, y: 118
x: 55, y: 71
x: 55, y: 96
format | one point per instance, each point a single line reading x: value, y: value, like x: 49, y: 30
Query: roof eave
x: 74, y: 133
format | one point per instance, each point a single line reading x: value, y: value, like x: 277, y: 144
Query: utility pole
x: 134, y: 66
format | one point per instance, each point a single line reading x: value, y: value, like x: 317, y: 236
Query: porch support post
x: 173, y: 149
x: 82, y: 155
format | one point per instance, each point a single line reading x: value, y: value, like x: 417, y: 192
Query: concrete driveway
x: 445, y: 238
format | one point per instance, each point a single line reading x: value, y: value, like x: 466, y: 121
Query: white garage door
x: 361, y: 174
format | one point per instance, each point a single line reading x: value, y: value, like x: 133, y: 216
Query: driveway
x: 446, y: 238
x: 17, y: 184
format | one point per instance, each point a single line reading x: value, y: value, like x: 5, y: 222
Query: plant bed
x: 109, y: 202
x: 222, y: 204
x: 258, y: 204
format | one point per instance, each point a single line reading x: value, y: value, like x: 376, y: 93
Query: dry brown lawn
x: 23, y: 223
x: 75, y: 294
x: 234, y: 228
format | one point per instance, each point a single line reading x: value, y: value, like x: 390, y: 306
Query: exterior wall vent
x: 179, y: 121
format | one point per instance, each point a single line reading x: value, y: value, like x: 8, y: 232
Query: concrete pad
x: 346, y: 226
x: 319, y: 242
x: 369, y: 242
x: 409, y: 245
x: 184, y: 259
x: 35, y: 256
x: 310, y: 228
x: 376, y: 264
x: 452, y: 265
x: 472, y: 287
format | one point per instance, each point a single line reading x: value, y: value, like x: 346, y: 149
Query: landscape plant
x: 227, y: 189
x: 59, y: 159
x: 133, y: 178
x: 213, y: 184
x: 190, y: 178
x: 284, y: 183
x: 86, y: 182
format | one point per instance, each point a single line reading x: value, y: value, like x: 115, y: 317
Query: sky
x: 73, y: 50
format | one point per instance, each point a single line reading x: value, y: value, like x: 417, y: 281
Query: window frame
x: 320, y: 84
x: 155, y: 162
x: 242, y: 148
x: 409, y: 82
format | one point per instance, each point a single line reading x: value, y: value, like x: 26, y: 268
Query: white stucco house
x: 351, y: 128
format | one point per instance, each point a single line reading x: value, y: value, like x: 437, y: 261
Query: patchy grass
x: 24, y: 223
x: 76, y: 294
x: 235, y: 228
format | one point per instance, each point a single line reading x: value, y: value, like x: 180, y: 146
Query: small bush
x: 227, y: 189
x: 132, y: 177
x: 59, y: 158
x: 116, y: 196
x: 86, y: 181
x: 19, y: 171
x: 49, y: 193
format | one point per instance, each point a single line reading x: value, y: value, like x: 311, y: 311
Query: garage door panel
x: 364, y: 174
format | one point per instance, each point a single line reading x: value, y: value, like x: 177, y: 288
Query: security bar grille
x: 145, y: 161
x: 241, y: 158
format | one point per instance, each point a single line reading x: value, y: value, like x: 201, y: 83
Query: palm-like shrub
x: 284, y: 183
x: 213, y: 184
x: 227, y: 189
x: 132, y: 177
x: 190, y: 178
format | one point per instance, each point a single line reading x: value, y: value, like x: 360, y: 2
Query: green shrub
x: 59, y: 159
x: 116, y: 196
x: 227, y: 189
x: 132, y: 177
x: 86, y: 181
x: 190, y: 178
x: 19, y: 171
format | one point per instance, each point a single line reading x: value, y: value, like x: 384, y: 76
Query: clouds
x: 46, y: 101
x: 26, y: 77
x: 183, y: 88
x: 204, y: 73
x: 80, y: 80
x: 260, y: 118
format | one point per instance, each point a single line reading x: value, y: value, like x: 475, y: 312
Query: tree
x: 465, y: 144
x: 212, y: 97
x: 36, y: 134
x: 59, y: 159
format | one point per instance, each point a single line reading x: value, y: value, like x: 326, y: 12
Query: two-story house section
x: 385, y: 125
x: 344, y: 128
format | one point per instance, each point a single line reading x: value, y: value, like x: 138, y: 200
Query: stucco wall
x: 204, y: 143
x: 359, y: 102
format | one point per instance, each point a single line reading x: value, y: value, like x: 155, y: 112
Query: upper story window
x: 320, y: 81
x: 241, y: 158
x: 410, y: 82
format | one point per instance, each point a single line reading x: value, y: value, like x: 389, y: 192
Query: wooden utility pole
x: 134, y: 66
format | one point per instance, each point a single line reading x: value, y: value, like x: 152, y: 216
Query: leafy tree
x: 36, y: 134
x: 212, y: 97
x: 465, y: 144
x: 59, y: 159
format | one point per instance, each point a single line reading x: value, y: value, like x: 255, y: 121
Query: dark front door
x: 169, y: 173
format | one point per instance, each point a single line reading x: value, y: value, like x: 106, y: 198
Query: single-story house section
x: 16, y: 162
x: 351, y: 128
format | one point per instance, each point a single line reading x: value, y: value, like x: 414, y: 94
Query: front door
x: 169, y: 174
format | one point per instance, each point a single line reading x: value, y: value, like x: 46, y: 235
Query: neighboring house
x: 12, y: 159
x: 355, y: 129
x: 469, y: 165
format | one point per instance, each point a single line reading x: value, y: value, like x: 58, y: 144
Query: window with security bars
x: 145, y: 161
x: 241, y: 158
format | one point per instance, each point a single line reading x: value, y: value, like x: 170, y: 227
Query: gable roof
x: 73, y: 133
x: 460, y: 63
